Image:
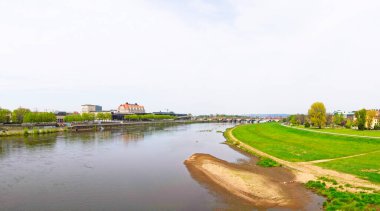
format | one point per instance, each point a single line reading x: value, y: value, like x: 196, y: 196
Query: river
x: 134, y: 168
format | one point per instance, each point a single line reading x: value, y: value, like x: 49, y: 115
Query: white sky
x: 191, y: 56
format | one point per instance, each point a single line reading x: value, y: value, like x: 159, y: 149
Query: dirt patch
x: 262, y: 187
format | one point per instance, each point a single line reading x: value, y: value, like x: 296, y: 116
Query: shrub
x: 26, y: 132
x: 307, y: 124
x: 338, y: 200
x: 267, y: 162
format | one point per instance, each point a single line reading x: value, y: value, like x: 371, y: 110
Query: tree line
x: 24, y: 115
x: 317, y: 117
x: 87, y: 117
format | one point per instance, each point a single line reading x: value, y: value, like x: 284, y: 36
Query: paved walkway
x: 331, y: 133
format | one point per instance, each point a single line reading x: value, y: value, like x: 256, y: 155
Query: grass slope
x: 300, y: 145
x: 366, y: 166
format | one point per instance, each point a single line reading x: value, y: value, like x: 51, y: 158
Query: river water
x: 135, y: 168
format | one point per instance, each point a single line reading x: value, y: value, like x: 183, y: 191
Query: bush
x: 338, y: 200
x: 307, y: 124
x: 377, y: 126
x: 267, y: 162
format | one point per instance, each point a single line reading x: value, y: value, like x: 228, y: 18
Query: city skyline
x: 199, y: 57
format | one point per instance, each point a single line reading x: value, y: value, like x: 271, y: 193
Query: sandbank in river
x: 262, y: 187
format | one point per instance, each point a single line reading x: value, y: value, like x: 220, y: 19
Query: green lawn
x: 299, y: 145
x: 366, y: 166
x: 373, y: 133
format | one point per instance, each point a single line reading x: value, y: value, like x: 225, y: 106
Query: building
x: 60, y: 115
x: 349, y: 114
x: 131, y: 109
x: 376, y: 119
x: 87, y: 108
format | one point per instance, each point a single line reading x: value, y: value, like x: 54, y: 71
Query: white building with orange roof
x: 131, y: 109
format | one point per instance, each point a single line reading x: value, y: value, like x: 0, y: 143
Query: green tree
x: 100, y: 116
x: 107, y: 116
x: 73, y: 118
x: 293, y: 120
x: 38, y: 117
x: 317, y: 114
x: 18, y: 115
x: 361, y: 117
x: 5, y: 115
x: 88, y: 116
x: 348, y: 124
x: 338, y: 119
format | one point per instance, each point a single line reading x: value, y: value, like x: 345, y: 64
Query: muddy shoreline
x: 262, y: 187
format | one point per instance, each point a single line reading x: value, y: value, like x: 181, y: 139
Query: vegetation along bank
x: 350, y: 161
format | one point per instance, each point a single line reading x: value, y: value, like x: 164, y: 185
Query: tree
x: 107, y: 116
x: 330, y: 119
x: 307, y: 124
x: 348, y: 124
x: 88, y: 116
x: 18, y: 115
x: 361, y: 117
x: 317, y: 114
x: 5, y: 115
x: 73, y: 118
x: 338, y: 119
x: 293, y: 119
x: 301, y: 118
x: 37, y: 117
x: 100, y: 116
x: 371, y: 114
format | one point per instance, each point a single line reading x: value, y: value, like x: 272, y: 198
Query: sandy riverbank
x: 263, y: 187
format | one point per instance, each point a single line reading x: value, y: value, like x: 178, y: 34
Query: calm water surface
x: 135, y: 168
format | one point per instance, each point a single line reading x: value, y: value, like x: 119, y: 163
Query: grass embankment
x: 299, y: 145
x: 263, y: 161
x: 345, y: 131
x: 292, y: 144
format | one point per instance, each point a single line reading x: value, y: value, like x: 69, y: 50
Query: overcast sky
x: 191, y: 56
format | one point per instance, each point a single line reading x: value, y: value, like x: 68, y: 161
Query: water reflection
x: 31, y: 142
x: 136, y: 168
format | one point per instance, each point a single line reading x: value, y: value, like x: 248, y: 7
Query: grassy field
x: 373, y: 133
x: 365, y: 166
x: 292, y: 144
x: 299, y: 145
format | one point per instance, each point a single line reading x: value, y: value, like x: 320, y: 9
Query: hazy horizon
x: 199, y: 57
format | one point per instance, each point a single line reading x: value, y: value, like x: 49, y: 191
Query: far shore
x: 40, y: 129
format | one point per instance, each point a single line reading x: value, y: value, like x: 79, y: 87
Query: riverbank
x: 31, y: 130
x: 333, y: 184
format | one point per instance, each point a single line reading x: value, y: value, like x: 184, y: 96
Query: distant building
x: 60, y: 115
x: 88, y: 108
x: 346, y: 114
x: 375, y: 120
x: 131, y: 109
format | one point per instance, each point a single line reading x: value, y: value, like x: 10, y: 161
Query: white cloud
x: 190, y: 56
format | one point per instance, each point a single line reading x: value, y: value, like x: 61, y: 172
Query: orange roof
x: 127, y: 105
